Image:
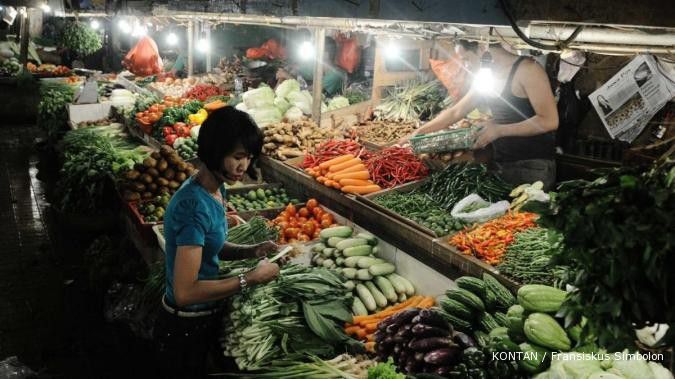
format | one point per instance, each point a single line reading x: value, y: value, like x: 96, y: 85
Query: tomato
x: 316, y: 234
x: 283, y: 225
x: 284, y: 215
x: 140, y: 114
x: 292, y: 240
x: 294, y: 223
x: 303, y: 237
x: 292, y: 233
x: 328, y: 217
x: 154, y: 108
x: 311, y: 204
x: 308, y: 228
x: 317, y: 212
x: 303, y: 212
x: 302, y: 220
x: 325, y: 224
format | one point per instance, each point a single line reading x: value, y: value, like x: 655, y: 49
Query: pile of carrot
x: 347, y: 173
x: 364, y: 327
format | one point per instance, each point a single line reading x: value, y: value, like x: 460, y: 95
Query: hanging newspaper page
x: 631, y: 98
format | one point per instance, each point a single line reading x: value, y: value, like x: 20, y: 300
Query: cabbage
x: 286, y: 87
x: 659, y: 371
x: 633, y: 368
x: 337, y: 102
x: 259, y: 97
x: 302, y: 100
x: 605, y: 375
x: 265, y: 115
x: 282, y: 104
x: 242, y: 107
x: 293, y: 114
x: 194, y: 132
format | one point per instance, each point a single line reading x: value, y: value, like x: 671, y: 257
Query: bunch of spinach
x: 80, y: 38
x: 620, y: 243
x: 53, y: 108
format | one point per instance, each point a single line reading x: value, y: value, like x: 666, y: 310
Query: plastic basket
x: 458, y: 139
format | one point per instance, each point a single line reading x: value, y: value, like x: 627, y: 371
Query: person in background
x: 334, y: 78
x: 177, y: 68
x: 525, y: 117
x: 195, y: 229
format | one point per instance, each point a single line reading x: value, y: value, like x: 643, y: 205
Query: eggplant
x: 433, y: 318
x: 398, y: 348
x: 404, y: 333
x: 443, y: 370
x: 379, y: 336
x: 403, y: 356
x: 419, y: 356
x: 392, y: 329
x: 405, y: 316
x: 447, y: 355
x: 424, y: 330
x: 429, y: 369
x: 382, y: 325
x: 388, y: 342
x: 463, y: 340
x: 412, y: 366
x: 430, y: 343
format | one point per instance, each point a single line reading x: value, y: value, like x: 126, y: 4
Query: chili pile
x: 394, y: 166
x: 333, y: 149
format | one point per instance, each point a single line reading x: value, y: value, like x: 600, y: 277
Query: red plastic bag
x: 255, y: 53
x: 270, y: 50
x: 349, y: 53
x: 452, y: 74
x: 143, y: 59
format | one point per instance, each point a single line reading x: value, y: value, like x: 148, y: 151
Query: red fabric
x: 349, y: 53
x: 452, y: 74
x: 143, y: 59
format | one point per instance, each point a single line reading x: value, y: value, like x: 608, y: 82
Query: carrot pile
x: 333, y: 149
x: 363, y: 327
x: 347, y: 173
x: 489, y: 241
x: 394, y: 166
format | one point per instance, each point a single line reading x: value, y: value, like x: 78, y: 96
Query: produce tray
x: 232, y: 221
x: 369, y: 200
x: 295, y: 163
x: 144, y: 229
x: 243, y: 190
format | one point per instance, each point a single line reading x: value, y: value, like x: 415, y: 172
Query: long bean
x: 527, y: 259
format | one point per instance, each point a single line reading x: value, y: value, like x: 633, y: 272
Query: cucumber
x: 387, y: 289
x: 399, y: 287
x: 363, y: 274
x: 366, y: 262
x: 318, y: 247
x: 340, y: 261
x: 328, y: 263
x: 372, y: 240
x: 366, y: 297
x: 350, y: 242
x: 328, y: 252
x: 402, y: 297
x: 333, y: 241
x: 376, y: 250
x: 352, y: 261
x: 380, y: 300
x: 382, y: 269
x: 358, y: 251
x: 349, y: 273
x: 409, y: 289
x: 336, y: 231
x: 358, y: 309
x: 350, y: 285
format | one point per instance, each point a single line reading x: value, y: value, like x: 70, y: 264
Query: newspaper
x: 632, y: 97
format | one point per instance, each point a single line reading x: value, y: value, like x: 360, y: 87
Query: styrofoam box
x: 88, y: 112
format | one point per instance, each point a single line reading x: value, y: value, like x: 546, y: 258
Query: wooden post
x: 191, y: 48
x: 207, y: 35
x: 317, y: 85
x: 25, y: 36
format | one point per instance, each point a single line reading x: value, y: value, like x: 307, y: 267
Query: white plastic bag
x: 489, y: 212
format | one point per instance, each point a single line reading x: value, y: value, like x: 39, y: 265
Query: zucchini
x: 336, y: 231
x: 380, y: 300
x: 366, y: 262
x: 387, y: 289
x: 457, y: 309
x: 352, y: 261
x: 333, y: 241
x: 409, y: 289
x: 505, y: 298
x: 382, y: 269
x: 350, y: 242
x: 472, y: 284
x: 467, y: 298
x: 366, y: 297
x: 349, y: 284
x: 319, y: 247
x: 349, y: 273
x: 328, y: 252
x: 363, y: 274
x: 372, y: 240
x: 358, y: 309
x: 358, y: 251
x: 399, y: 287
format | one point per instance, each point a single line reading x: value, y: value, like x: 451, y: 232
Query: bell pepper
x: 170, y: 139
x: 167, y: 131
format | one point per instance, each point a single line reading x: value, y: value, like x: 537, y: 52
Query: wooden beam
x: 191, y: 48
x: 317, y: 83
x: 207, y: 28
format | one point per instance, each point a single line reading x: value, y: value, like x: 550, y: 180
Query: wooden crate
x: 345, y: 117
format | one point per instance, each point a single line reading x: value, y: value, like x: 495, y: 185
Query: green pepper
x: 473, y: 358
x: 460, y: 371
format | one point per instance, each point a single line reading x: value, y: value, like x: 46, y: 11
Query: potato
x: 174, y: 159
x: 162, y: 182
x: 152, y: 187
x: 139, y: 167
x: 174, y: 184
x: 153, y: 172
x: 180, y: 177
x: 137, y: 186
x: 181, y: 166
x: 131, y: 196
x: 147, y: 195
x: 169, y: 173
x: 166, y: 150
x: 132, y: 175
x: 146, y: 178
x: 162, y: 165
x: 149, y: 162
x: 156, y: 155
x: 163, y: 190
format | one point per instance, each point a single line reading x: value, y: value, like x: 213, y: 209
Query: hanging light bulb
x: 139, y: 30
x: 172, y: 39
x: 203, y: 45
x: 45, y: 7
x: 484, y: 82
x: 392, y: 50
x: 94, y: 24
x: 306, y: 51
x: 124, y: 26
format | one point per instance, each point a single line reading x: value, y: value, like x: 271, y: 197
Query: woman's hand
x: 263, y: 249
x: 488, y: 133
x: 263, y: 273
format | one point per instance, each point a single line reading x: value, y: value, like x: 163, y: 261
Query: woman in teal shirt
x: 195, y: 229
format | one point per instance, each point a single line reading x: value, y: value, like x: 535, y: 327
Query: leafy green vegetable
x: 80, y: 38
x: 384, y: 371
x: 413, y: 101
x: 53, y: 108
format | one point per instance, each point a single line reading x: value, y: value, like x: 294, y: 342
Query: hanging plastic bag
x: 474, y: 209
x: 143, y: 59
x: 452, y: 74
x: 349, y: 53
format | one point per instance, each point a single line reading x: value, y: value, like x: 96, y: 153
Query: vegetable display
x: 375, y: 283
x: 150, y: 115
x: 394, y: 166
x: 292, y: 139
x: 333, y: 149
x: 186, y: 147
x: 80, y: 38
x: 457, y: 181
x: 162, y: 172
x: 10, y: 67
x: 48, y: 69
x: 618, y: 243
x: 256, y: 230
x: 53, y: 107
x: 604, y: 365
x: 490, y: 240
x: 343, y: 366
x: 203, y: 91
x: 304, y: 224
x: 421, y: 209
x: 381, y: 132
x: 153, y: 210
x: 413, y: 101
x: 347, y: 173
x: 260, y: 198
x: 299, y: 312
x: 267, y: 106
x: 528, y: 258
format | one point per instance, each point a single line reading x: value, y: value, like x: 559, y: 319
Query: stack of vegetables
x: 619, y: 365
x: 300, y: 312
x: 413, y: 101
x: 489, y: 241
x: 146, y: 118
x: 188, y: 114
x: 304, y: 224
x: 203, y: 91
x: 53, y: 107
x: 344, y: 366
x: 333, y: 149
x: 347, y: 173
x: 162, y: 172
x: 261, y: 198
x: 174, y: 87
x: 187, y: 147
x: 256, y: 230
x: 394, y: 166
x: 528, y: 258
x: 422, y: 210
x: 385, y: 132
x: 291, y: 139
x: 267, y: 106
x: 374, y: 281
x: 152, y: 211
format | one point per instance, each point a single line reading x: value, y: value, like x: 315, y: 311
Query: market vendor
x: 195, y: 229
x: 525, y: 116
